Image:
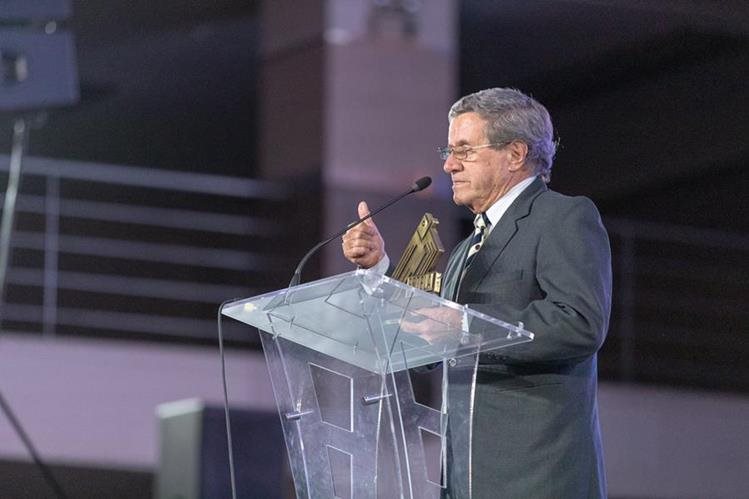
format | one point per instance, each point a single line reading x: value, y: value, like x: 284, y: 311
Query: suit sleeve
x: 573, y: 272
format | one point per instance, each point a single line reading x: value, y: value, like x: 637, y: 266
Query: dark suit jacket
x: 535, y: 432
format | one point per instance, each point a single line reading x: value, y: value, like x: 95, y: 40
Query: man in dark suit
x: 536, y: 257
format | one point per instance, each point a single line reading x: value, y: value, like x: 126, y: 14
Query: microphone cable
x: 226, y: 398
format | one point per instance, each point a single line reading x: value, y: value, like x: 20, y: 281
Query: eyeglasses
x: 461, y: 153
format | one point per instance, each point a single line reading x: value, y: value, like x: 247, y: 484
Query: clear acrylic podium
x: 339, y: 350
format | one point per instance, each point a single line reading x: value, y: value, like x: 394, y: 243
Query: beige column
x: 391, y: 76
x: 357, y: 91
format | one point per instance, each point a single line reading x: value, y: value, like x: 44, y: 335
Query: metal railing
x: 141, y: 253
x: 79, y: 256
x: 680, y: 313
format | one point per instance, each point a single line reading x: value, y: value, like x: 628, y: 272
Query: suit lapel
x: 501, y: 235
x: 454, y: 270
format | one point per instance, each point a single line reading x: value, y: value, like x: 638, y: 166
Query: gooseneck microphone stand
x: 418, y: 185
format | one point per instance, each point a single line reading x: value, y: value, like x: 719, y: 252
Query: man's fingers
x: 360, y: 231
x: 358, y: 246
x: 357, y: 251
x: 362, y: 244
x: 363, y: 211
x: 355, y: 240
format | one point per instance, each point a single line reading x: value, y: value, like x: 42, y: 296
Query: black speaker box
x: 194, y: 460
x: 37, y: 70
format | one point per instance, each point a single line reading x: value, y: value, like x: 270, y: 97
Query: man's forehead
x: 466, y: 128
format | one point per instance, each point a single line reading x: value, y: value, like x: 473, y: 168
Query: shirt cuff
x: 382, y: 266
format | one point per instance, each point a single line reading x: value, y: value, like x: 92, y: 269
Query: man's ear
x: 518, y: 153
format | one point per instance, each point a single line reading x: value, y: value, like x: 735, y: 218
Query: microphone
x: 418, y: 185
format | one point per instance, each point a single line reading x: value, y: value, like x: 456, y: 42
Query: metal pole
x: 20, y: 137
x: 51, y: 249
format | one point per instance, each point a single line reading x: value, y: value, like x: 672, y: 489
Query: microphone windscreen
x: 421, y: 184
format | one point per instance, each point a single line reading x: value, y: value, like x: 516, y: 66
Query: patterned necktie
x: 481, y: 224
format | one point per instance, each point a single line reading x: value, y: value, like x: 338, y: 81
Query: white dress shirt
x: 498, y: 209
x: 495, y: 213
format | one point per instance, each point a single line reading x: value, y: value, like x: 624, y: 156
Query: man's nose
x: 451, y: 165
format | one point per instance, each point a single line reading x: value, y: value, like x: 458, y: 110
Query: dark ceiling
x: 167, y: 84
x: 649, y: 98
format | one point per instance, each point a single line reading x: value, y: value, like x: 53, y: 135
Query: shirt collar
x: 498, y: 209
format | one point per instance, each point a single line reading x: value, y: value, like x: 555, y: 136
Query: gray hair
x: 512, y: 115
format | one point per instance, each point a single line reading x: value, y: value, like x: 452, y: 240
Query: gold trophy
x: 419, y: 259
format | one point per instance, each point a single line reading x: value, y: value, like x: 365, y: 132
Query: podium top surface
x: 375, y: 322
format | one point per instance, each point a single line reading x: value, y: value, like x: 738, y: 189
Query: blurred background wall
x: 214, y: 142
